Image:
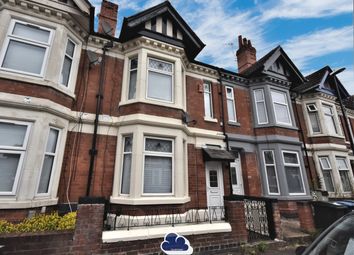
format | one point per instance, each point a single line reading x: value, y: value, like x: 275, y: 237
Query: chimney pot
x: 246, y: 54
x: 108, y: 16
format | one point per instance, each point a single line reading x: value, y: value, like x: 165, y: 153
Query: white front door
x: 214, y: 183
x: 236, y: 176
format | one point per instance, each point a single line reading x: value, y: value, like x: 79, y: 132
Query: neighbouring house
x: 138, y: 121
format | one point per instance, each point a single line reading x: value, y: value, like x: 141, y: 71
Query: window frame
x: 122, y: 163
x: 313, y: 111
x: 210, y: 93
x: 10, y: 36
x: 158, y: 154
x: 280, y: 103
x: 54, y: 166
x: 232, y: 99
x: 333, y: 116
x: 72, y: 63
x: 275, y: 170
x: 172, y: 74
x: 294, y: 165
x: 336, y: 157
x: 327, y: 169
x: 256, y: 106
x: 130, y: 70
x: 16, y: 150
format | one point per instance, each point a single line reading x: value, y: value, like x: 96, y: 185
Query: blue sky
x: 314, y: 33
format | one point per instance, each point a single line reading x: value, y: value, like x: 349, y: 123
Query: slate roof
x: 313, y: 80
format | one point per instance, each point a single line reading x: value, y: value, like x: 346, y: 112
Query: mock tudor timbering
x: 160, y: 108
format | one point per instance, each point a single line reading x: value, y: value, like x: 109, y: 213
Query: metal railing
x: 126, y: 219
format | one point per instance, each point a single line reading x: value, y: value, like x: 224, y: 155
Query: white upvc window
x: 293, y: 173
x: 49, y: 160
x: 133, y: 72
x: 158, y: 166
x: 329, y: 119
x: 327, y: 173
x: 126, y: 164
x: 314, y: 118
x: 208, y: 100
x: 26, y: 48
x: 230, y: 100
x: 343, y: 170
x: 271, y: 172
x: 13, y: 143
x: 261, y: 108
x: 281, y: 107
x: 160, y: 80
x: 67, y: 63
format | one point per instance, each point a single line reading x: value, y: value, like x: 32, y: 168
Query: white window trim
x: 158, y: 154
x: 16, y: 150
x: 232, y: 99
x: 266, y: 173
x: 209, y: 118
x: 129, y: 76
x: 265, y: 106
x: 47, y: 47
x: 172, y: 74
x: 72, y: 64
x: 326, y: 169
x: 122, y: 164
x: 295, y: 165
x: 308, y: 111
x: 347, y: 170
x: 54, y: 166
x: 280, y: 103
x: 334, y: 118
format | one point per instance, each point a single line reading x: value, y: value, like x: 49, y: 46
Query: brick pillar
x: 235, y: 212
x: 277, y: 220
x: 305, y: 216
x: 89, y: 225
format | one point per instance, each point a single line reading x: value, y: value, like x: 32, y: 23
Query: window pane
x: 158, y: 145
x: 325, y: 163
x: 24, y: 57
x: 259, y: 95
x: 46, y: 174
x: 229, y: 93
x: 293, y: 178
x: 213, y: 179
x: 290, y: 158
x: 52, y: 140
x: 159, y: 65
x: 65, y: 72
x: 12, y: 134
x: 327, y: 110
x: 157, y: 174
x: 231, y: 110
x: 128, y: 143
x: 268, y: 156
x: 341, y: 163
x: 272, y: 179
x: 330, y: 124
x: 327, y: 177
x: 127, y: 164
x: 279, y: 97
x: 207, y: 105
x: 233, y: 176
x: 344, y: 177
x: 314, y: 122
x: 132, y: 84
x: 133, y: 63
x: 261, y: 111
x: 31, y: 32
x: 281, y: 113
x: 8, y: 169
x: 160, y: 86
x: 70, y: 47
x: 206, y: 87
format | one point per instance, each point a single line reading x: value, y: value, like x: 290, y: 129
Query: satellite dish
x: 106, y: 27
x: 93, y: 58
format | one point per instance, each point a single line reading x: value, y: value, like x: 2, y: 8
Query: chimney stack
x: 107, y: 19
x: 246, y: 54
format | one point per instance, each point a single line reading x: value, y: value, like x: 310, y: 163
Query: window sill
x: 159, y: 232
x: 149, y: 200
x: 326, y: 135
x: 210, y: 120
x: 151, y: 102
x: 15, y: 204
x: 234, y: 123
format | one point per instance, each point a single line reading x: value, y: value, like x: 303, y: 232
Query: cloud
x: 302, y: 49
x: 174, y: 244
x: 347, y: 79
x: 297, y: 9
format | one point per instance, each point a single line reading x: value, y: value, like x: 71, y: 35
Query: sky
x: 314, y: 33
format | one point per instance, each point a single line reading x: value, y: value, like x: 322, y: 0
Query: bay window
x: 127, y: 164
x: 230, y: 100
x: 329, y: 119
x: 281, y: 107
x: 26, y: 48
x: 158, y: 166
x: 261, y: 109
x: 160, y: 80
x: 271, y: 173
x: 343, y: 169
x: 293, y: 172
x: 13, y: 143
x: 327, y: 173
x: 67, y: 63
x: 208, y: 102
x: 49, y: 161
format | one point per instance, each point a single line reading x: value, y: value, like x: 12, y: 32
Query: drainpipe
x: 314, y: 184
x: 99, y: 97
x: 226, y: 140
x: 344, y: 112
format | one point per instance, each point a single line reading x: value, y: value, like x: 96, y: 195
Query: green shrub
x: 39, y: 223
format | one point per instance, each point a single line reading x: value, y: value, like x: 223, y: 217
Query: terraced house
x: 138, y: 121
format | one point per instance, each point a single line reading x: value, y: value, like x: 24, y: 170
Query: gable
x: 164, y: 25
x: 280, y: 68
